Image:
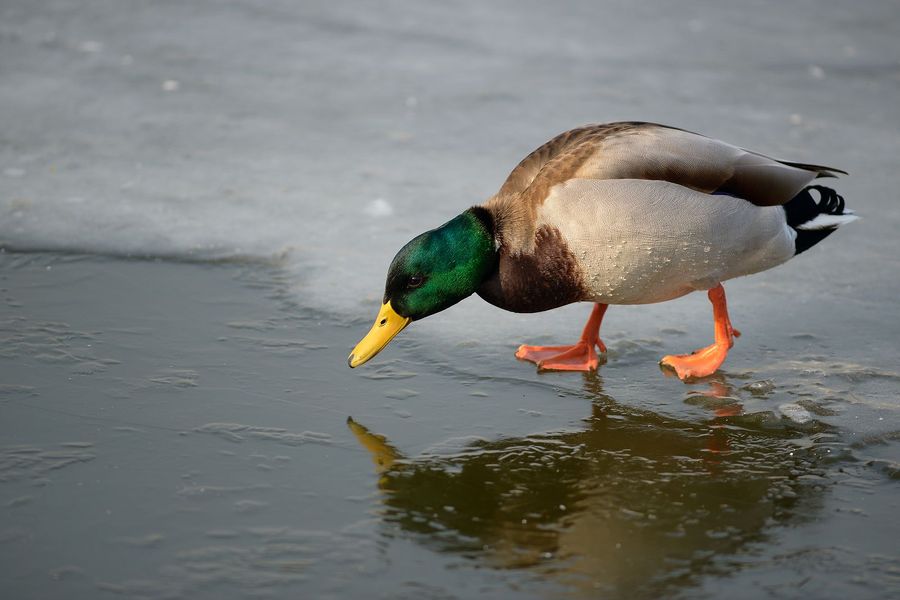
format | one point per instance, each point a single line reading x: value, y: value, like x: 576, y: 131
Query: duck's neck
x: 472, y: 237
x: 485, y: 226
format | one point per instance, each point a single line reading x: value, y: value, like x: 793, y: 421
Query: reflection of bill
x: 636, y: 504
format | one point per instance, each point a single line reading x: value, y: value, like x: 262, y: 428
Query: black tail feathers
x: 814, y: 221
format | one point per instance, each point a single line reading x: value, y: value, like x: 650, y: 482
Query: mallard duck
x: 620, y: 213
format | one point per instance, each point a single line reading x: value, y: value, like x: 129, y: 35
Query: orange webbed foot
x: 578, y: 357
x: 706, y: 361
x: 701, y: 363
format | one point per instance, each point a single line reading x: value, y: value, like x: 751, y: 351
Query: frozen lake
x: 198, y: 203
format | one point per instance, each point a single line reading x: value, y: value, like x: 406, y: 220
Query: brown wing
x: 563, y: 146
x: 634, y: 150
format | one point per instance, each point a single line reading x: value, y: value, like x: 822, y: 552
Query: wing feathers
x: 644, y: 151
x: 635, y: 150
x: 821, y: 171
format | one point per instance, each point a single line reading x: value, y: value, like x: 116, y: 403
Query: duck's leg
x: 579, y: 357
x: 705, y: 361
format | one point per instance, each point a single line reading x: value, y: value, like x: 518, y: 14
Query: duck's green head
x: 432, y: 272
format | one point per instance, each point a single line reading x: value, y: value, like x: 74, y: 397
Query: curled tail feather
x: 814, y: 221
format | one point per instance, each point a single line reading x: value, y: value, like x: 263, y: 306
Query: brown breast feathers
x: 531, y: 282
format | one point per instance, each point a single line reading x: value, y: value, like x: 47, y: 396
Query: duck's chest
x: 546, y: 278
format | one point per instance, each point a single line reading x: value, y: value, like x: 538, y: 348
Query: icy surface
x: 284, y: 130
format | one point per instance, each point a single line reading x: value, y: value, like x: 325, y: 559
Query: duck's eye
x: 415, y: 281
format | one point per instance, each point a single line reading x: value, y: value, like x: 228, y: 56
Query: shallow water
x: 176, y: 425
x: 201, y: 448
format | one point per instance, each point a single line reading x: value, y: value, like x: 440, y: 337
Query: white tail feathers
x: 826, y: 221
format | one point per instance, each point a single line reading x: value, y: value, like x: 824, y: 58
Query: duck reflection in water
x: 634, y: 503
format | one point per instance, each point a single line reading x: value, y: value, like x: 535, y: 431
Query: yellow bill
x: 387, y: 324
